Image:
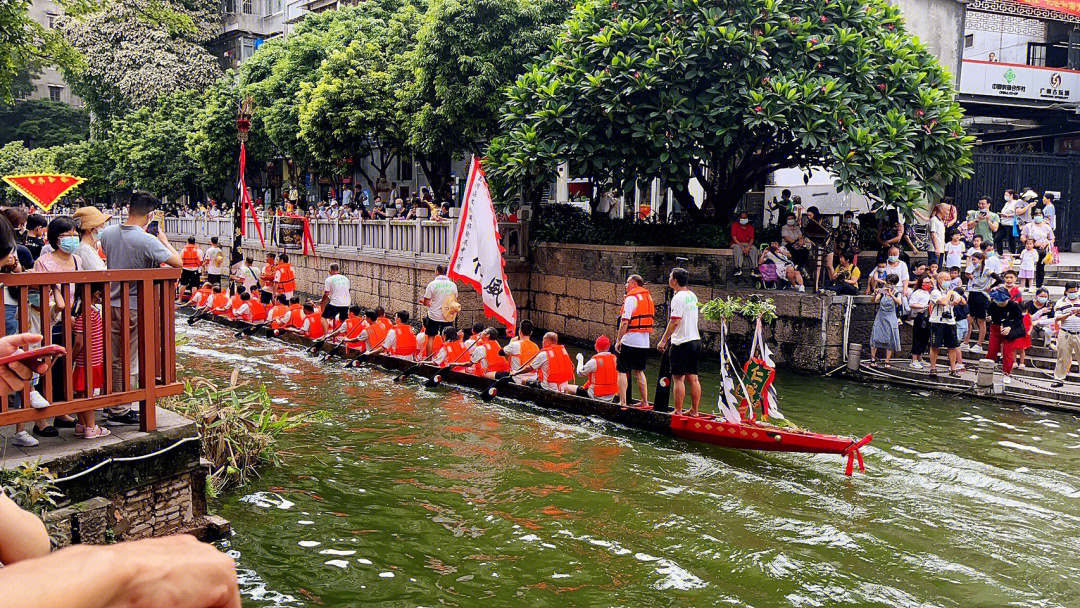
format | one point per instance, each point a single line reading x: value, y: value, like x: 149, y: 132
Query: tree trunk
x: 437, y: 170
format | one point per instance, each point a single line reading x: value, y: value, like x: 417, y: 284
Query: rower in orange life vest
x: 294, y: 317
x: 632, y: 341
x: 374, y: 333
x: 385, y: 322
x: 217, y: 303
x: 603, y: 378
x: 521, y: 350
x: 278, y: 313
x: 452, y: 351
x: 553, y: 362
x: 477, y: 335
x: 422, y: 344
x: 191, y: 261
x: 312, y: 326
x: 251, y: 310
x: 349, y: 331
x: 235, y: 302
x: 400, y: 341
x: 199, y: 298
x: 490, y: 363
x: 284, y: 279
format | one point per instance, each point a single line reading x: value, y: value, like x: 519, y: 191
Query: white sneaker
x: 1006, y: 380
x: 976, y: 349
x: 800, y: 288
x: 37, y: 401
x: 916, y: 365
x: 965, y: 346
x: 1021, y: 366
x: 24, y: 439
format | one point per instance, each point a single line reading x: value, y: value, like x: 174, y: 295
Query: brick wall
x: 159, y: 508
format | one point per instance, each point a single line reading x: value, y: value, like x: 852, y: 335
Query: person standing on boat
x: 336, y: 297
x: 191, y: 260
x: 682, y: 332
x: 266, y: 276
x: 284, y: 278
x: 215, y: 260
x: 632, y: 342
x: 440, y: 297
x: 603, y: 377
x: 1067, y: 317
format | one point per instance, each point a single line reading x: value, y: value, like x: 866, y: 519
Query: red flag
x: 245, y: 199
x: 43, y: 189
x: 1069, y: 7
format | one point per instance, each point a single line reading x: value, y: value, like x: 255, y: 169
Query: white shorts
x: 608, y: 398
x: 522, y: 379
x: 560, y: 387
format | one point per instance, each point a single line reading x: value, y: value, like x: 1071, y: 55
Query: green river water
x: 410, y: 497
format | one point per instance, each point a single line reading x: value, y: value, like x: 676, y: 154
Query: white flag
x: 477, y: 254
x: 727, y: 402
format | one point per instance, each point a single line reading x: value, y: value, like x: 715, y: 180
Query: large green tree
x: 24, y: 46
x: 150, y: 146
x: 92, y: 160
x: 41, y: 123
x: 466, y: 54
x: 726, y: 92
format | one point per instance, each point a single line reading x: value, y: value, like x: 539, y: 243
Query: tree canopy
x: 725, y: 93
x: 41, y: 123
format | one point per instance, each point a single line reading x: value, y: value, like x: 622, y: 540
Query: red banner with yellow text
x: 1069, y: 7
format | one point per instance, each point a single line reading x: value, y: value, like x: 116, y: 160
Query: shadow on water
x: 408, y: 496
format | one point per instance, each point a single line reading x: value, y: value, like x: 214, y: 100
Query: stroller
x: 769, y: 278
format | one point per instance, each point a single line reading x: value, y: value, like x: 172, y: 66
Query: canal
x: 410, y: 497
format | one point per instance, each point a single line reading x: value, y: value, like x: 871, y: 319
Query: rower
x: 521, y: 350
x: 256, y: 308
x: 603, y: 378
x: 235, y: 302
x: 200, y: 297
x: 440, y: 297
x: 489, y: 362
x: 218, y: 302
x: 400, y: 340
x: 284, y: 278
x: 477, y: 335
x: 295, y: 316
x: 632, y: 341
x: 372, y: 336
x: 279, y: 312
x: 266, y: 276
x: 385, y: 322
x: 191, y: 261
x: 243, y: 312
x: 452, y: 351
x: 351, y: 328
x: 422, y: 343
x: 313, y: 326
x: 553, y: 362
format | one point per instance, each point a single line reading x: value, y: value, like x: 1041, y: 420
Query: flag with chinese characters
x: 43, y: 189
x: 1069, y: 7
x: 477, y: 254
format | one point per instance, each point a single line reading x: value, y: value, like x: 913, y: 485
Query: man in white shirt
x: 215, y: 259
x: 244, y: 274
x: 336, y: 296
x: 632, y: 341
x: 440, y: 297
x: 1067, y: 316
x: 682, y: 332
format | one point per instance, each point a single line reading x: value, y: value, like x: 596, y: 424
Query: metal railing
x: 150, y: 326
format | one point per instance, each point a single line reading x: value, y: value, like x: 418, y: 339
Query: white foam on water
x: 309, y: 543
x: 344, y: 552
x: 305, y: 522
x: 1026, y: 448
x: 560, y: 575
x: 340, y: 563
x: 361, y: 560
x: 386, y: 574
x: 267, y: 500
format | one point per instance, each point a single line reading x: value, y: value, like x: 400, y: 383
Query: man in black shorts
x: 336, y: 296
x: 682, y: 332
x: 440, y: 297
x: 632, y: 342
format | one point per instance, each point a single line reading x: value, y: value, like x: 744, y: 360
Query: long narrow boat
x: 745, y: 436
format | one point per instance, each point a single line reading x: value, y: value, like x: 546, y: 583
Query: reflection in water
x: 413, y: 497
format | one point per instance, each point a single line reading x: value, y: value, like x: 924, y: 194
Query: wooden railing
x: 153, y: 320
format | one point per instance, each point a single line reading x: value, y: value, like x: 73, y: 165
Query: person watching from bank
x: 742, y: 245
x: 632, y: 341
x: 1007, y: 330
x: 983, y: 222
x: 844, y: 277
x: 682, y: 332
x: 1067, y: 318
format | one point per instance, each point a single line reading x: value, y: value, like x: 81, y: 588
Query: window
x: 55, y: 92
x: 52, y: 19
x: 405, y: 168
x: 246, y: 5
x: 969, y: 41
x: 247, y: 49
x: 228, y: 6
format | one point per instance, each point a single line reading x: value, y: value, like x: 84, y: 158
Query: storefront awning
x: 1068, y: 7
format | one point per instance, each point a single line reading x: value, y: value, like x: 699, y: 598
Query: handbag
x: 1048, y: 258
x: 1057, y: 258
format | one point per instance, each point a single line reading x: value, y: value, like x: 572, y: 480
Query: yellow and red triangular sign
x: 43, y: 189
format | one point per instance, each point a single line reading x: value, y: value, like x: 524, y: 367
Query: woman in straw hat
x: 90, y: 221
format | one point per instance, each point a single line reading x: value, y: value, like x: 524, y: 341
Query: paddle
x: 356, y: 361
x: 492, y: 391
x: 317, y: 345
x: 197, y: 316
x: 663, y: 384
x: 412, y: 370
x: 250, y: 329
x: 437, y: 378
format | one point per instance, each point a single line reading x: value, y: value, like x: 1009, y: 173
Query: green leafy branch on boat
x: 239, y: 430
x: 723, y: 309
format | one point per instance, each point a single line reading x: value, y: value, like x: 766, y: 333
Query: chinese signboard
x: 1010, y: 81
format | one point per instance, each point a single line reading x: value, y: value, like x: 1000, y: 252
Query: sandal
x: 96, y: 432
x: 873, y: 362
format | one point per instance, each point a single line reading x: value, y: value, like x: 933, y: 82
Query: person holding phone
x: 886, y: 332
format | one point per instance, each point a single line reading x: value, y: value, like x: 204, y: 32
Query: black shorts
x: 190, y: 278
x: 942, y: 335
x: 336, y: 312
x: 978, y: 305
x: 214, y: 279
x: 433, y: 328
x: 631, y: 358
x: 684, y: 358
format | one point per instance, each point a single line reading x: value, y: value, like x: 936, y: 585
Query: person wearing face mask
x: 1067, y: 319
x: 1006, y: 330
x: 920, y: 304
x: 742, y: 243
x: 982, y: 280
x: 1041, y: 312
x: 129, y: 246
x: 89, y: 221
x: 795, y: 242
x: 1004, y: 239
x: 1039, y: 232
x: 894, y: 266
x: 945, y: 299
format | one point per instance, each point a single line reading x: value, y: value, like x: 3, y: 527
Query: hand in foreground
x: 13, y: 376
x: 177, y: 572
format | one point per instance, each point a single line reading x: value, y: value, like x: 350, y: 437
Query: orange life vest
x: 404, y: 341
x: 205, y: 291
x: 234, y: 305
x: 436, y: 346
x: 218, y: 300
x: 644, y: 311
x: 353, y: 326
x: 528, y: 351
x: 604, y: 382
x: 296, y: 316
x: 276, y: 313
x: 376, y: 335
x: 559, y: 367
x: 454, y: 352
x: 256, y: 311
x: 267, y: 277
x: 315, y: 326
x: 190, y: 257
x: 495, y: 361
x: 386, y: 323
x: 287, y: 284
